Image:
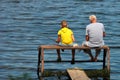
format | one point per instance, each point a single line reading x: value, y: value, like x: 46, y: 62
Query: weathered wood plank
x: 68, y: 47
x: 77, y: 74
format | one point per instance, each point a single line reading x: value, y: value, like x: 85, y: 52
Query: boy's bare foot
x: 62, y: 50
x: 92, y: 59
x: 58, y: 59
x: 73, y: 61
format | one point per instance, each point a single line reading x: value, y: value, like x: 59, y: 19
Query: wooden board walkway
x: 77, y: 74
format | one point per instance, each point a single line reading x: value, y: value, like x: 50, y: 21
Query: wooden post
x: 42, y: 60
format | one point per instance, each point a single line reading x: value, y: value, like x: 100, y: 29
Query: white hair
x: 92, y: 17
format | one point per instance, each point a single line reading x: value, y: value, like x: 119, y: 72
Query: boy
x: 65, y: 38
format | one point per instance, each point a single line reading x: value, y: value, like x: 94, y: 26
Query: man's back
x: 95, y: 32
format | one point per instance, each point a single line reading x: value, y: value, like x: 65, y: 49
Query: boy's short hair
x: 64, y: 22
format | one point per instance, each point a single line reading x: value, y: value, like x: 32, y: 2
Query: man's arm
x: 87, y: 38
x: 104, y: 34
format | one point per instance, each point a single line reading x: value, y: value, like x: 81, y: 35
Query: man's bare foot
x: 92, y: 59
x: 95, y: 59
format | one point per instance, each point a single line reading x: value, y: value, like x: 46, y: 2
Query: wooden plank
x: 68, y: 47
x: 42, y: 60
x: 77, y: 74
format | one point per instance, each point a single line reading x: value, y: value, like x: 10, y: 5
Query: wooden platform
x: 41, y: 48
x: 77, y: 74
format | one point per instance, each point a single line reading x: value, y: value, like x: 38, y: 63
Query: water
x: 26, y: 24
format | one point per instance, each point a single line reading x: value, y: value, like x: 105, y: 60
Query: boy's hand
x: 57, y: 41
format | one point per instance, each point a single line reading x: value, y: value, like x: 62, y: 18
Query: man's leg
x: 73, y: 56
x: 97, y: 53
x: 88, y: 51
x: 59, y: 57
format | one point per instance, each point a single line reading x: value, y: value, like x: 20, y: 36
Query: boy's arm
x: 58, y: 39
x: 73, y: 38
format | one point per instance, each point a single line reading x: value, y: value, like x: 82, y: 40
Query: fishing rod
x: 54, y: 40
x: 51, y: 38
x: 116, y: 47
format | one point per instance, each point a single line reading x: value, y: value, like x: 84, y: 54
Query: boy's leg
x: 73, y: 56
x: 59, y: 57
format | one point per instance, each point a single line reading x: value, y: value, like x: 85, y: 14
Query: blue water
x: 26, y: 24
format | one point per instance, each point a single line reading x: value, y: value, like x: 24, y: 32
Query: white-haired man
x: 94, y: 36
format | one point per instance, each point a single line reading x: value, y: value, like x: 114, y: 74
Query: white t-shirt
x: 95, y: 32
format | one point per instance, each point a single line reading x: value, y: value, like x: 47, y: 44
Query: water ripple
x: 26, y: 24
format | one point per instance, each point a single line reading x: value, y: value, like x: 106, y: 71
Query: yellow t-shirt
x: 66, y: 35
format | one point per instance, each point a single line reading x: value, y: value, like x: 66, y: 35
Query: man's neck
x: 94, y: 21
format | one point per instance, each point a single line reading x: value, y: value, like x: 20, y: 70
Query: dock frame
x: 41, y: 48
